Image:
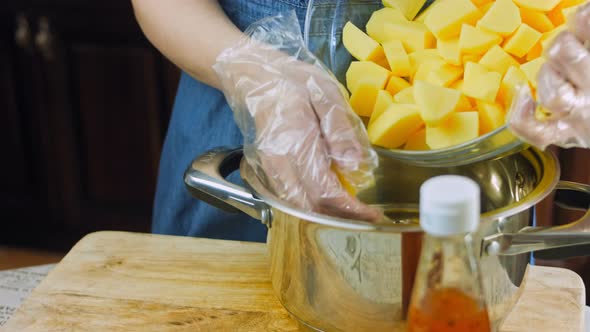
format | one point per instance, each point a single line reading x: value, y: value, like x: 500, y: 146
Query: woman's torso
x: 202, y: 120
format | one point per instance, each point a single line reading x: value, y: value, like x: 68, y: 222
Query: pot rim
x: 545, y: 164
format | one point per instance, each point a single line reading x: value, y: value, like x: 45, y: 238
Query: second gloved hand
x: 563, y: 88
x: 300, y: 133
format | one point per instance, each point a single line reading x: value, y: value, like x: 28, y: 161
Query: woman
x: 199, y: 34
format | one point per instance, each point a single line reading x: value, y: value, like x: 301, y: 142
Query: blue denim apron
x: 202, y: 120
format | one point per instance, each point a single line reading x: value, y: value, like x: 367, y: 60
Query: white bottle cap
x: 449, y: 204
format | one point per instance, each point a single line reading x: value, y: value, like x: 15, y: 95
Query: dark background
x: 84, y: 106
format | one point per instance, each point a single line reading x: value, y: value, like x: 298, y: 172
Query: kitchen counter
x: 113, y: 281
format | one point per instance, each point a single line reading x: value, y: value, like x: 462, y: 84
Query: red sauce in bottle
x: 448, y: 310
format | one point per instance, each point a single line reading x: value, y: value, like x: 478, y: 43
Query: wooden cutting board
x: 115, y: 281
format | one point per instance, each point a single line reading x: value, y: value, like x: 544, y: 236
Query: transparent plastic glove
x: 300, y: 134
x: 563, y: 91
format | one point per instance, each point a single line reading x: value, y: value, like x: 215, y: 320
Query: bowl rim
x: 457, y: 147
x: 461, y: 154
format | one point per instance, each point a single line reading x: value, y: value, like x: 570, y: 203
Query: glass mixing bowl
x: 323, y: 35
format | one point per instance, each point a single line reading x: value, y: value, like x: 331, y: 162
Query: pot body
x: 335, y: 274
x: 333, y: 279
x: 336, y: 279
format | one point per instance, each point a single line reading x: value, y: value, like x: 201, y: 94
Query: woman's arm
x: 191, y: 33
x: 302, y: 123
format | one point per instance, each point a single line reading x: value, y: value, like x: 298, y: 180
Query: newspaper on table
x: 16, y: 285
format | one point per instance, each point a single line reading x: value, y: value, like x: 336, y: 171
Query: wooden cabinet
x: 24, y: 196
x: 86, y: 101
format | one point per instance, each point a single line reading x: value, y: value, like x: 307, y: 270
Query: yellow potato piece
x: 417, y: 58
x: 540, y: 5
x: 514, y: 79
x: 422, y: 16
x: 485, y: 8
x: 449, y: 51
x: 426, y: 68
x: 477, y: 41
x: 464, y: 104
x: 398, y: 59
x: 535, y: 52
x: 491, y: 116
x: 414, y: 35
x: 359, y: 45
x: 363, y: 98
x: 382, y: 61
x: 531, y: 69
x: 417, y: 141
x: 346, y: 184
x: 481, y: 3
x: 523, y: 40
x: 368, y: 72
x: 459, y: 128
x: 436, y: 103
x: 556, y: 16
x: 406, y: 96
x: 445, y: 20
x: 496, y: 59
x: 458, y: 85
x: 376, y: 24
x: 382, y: 103
x: 479, y: 83
x: 445, y: 75
x: 570, y: 3
x: 392, y: 129
x: 408, y: 7
x: 471, y: 58
x: 396, y: 84
x: 542, y: 114
x: 567, y: 7
x: 537, y: 20
x: 502, y: 18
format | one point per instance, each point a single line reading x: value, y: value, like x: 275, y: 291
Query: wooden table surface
x: 115, y: 281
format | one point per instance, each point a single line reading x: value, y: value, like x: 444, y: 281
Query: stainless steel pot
x: 335, y: 274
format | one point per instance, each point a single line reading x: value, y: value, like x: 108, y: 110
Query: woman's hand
x: 298, y: 128
x: 563, y: 88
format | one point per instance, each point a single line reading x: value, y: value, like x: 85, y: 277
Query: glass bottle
x: 448, y: 293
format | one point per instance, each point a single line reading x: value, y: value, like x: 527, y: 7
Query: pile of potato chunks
x: 450, y: 74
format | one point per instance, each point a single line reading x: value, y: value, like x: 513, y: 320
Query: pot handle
x: 205, y: 180
x: 572, y: 239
